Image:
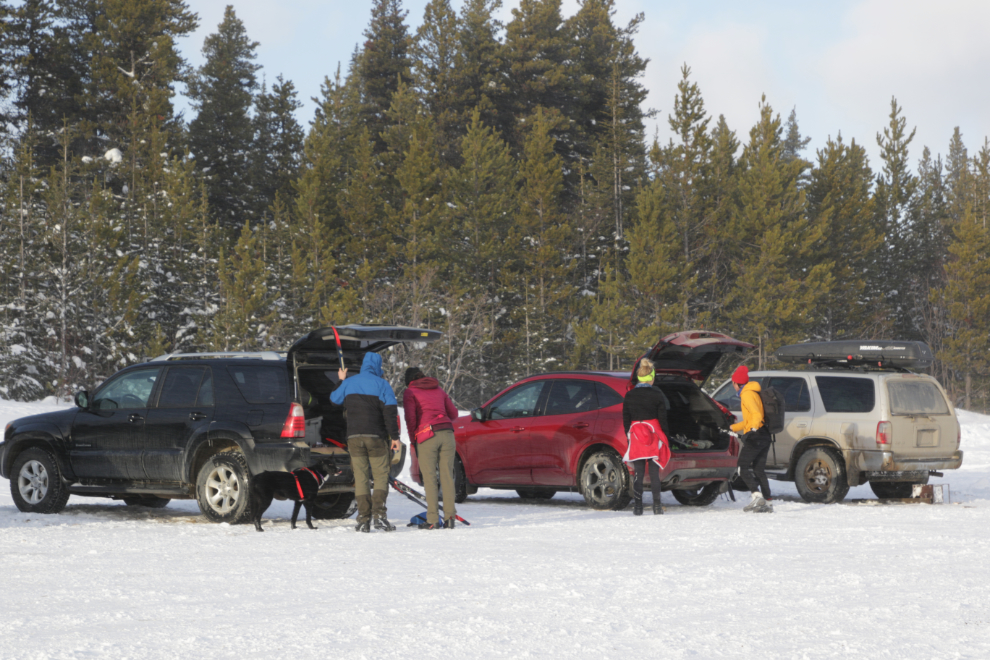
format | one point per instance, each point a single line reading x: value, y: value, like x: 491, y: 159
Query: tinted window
x: 131, y: 390
x: 261, y: 384
x: 909, y: 397
x: 571, y: 396
x: 607, y: 397
x: 180, y: 387
x: 797, y: 396
x: 205, y: 397
x: 846, y: 395
x: 518, y: 402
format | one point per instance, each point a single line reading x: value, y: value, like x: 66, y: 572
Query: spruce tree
x: 479, y: 81
x: 221, y: 134
x: 435, y: 57
x: 277, y: 146
x: 382, y: 64
x: 774, y: 296
x: 841, y: 206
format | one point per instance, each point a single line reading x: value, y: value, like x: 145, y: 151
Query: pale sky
x: 837, y: 62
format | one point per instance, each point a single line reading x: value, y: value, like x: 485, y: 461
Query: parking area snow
x: 556, y: 579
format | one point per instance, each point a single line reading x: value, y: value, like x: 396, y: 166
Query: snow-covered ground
x: 554, y: 580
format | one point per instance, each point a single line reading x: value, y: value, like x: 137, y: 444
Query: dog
x: 300, y: 486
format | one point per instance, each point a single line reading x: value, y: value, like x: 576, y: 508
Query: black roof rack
x: 860, y: 354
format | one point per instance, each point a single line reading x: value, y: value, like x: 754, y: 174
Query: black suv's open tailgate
x: 359, y: 339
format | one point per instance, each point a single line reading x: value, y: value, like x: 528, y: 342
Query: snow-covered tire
x: 223, y: 488
x: 150, y: 501
x: 334, y: 506
x: 604, y: 481
x: 460, y: 481
x: 36, y: 482
x: 887, y: 490
x: 702, y: 496
x: 820, y: 476
x: 536, y: 493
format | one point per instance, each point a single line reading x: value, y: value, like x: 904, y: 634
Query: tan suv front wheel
x: 820, y: 476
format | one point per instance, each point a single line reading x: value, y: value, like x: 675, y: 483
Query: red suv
x: 563, y: 431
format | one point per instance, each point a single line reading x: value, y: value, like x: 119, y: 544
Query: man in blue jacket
x: 372, y: 420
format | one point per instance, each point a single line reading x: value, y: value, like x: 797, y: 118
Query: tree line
x: 492, y: 181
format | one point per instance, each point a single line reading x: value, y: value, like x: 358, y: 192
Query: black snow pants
x: 639, y: 467
x: 753, y: 459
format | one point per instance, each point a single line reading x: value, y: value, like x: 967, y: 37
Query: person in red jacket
x: 429, y: 413
x: 644, y: 418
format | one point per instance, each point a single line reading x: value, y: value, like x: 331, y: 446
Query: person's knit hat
x: 413, y: 373
x: 741, y: 375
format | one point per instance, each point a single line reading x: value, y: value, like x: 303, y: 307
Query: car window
x: 130, y: 390
x: 205, y: 397
x: 571, y: 396
x: 261, y: 384
x: 915, y: 398
x: 797, y: 396
x: 607, y: 397
x: 518, y: 402
x: 180, y: 387
x: 728, y: 397
x: 846, y: 395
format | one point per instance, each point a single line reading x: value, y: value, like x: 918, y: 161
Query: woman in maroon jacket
x: 429, y: 413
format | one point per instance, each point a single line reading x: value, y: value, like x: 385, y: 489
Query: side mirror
x: 82, y: 399
x: 478, y: 414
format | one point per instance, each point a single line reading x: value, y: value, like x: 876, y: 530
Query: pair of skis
x: 418, y: 497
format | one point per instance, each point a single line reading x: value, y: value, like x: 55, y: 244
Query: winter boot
x: 657, y: 508
x: 363, y: 527
x: 755, y: 503
x: 428, y: 525
x: 638, y: 507
x: 384, y: 525
x: 766, y: 508
x: 448, y: 523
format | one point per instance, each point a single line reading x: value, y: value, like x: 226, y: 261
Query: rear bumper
x: 278, y: 456
x: 886, y: 461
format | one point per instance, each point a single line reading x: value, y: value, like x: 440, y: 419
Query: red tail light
x: 883, y: 433
x: 295, y: 423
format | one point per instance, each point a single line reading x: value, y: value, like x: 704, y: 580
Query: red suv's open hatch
x: 694, y: 353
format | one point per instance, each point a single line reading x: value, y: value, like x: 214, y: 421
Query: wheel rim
x: 32, y: 482
x: 818, y: 475
x: 223, y: 489
x: 602, y: 481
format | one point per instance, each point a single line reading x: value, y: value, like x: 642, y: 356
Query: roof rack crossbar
x: 255, y: 355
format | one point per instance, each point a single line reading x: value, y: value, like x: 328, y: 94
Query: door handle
x: 135, y: 418
x: 517, y: 429
x: 581, y: 425
x: 196, y: 416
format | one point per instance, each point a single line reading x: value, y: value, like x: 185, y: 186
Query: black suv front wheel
x: 222, y: 488
x: 36, y: 482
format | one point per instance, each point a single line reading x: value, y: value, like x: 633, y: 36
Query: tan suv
x: 854, y: 420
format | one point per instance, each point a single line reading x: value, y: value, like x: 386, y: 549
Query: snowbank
x: 554, y: 580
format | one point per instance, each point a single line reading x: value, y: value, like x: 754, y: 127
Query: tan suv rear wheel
x: 820, y: 476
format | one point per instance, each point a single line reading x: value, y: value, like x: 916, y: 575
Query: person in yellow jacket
x: 756, y: 440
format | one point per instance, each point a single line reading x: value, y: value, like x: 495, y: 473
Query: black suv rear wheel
x: 36, y: 482
x: 334, y: 506
x: 222, y: 488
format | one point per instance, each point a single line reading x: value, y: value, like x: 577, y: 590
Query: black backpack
x: 773, y: 409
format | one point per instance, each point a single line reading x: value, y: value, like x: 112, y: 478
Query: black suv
x: 198, y: 425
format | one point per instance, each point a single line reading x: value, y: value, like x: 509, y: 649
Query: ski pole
x: 418, y: 497
x: 340, y: 351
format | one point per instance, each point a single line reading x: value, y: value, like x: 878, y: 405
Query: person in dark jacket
x: 429, y: 413
x: 372, y: 421
x: 644, y: 418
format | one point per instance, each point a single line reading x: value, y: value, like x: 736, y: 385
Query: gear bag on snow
x: 773, y: 409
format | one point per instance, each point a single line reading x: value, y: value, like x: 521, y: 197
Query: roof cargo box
x: 883, y: 354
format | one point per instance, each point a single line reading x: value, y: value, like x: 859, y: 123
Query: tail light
x: 295, y: 423
x: 883, y: 433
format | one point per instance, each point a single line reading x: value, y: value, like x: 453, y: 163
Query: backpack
x: 773, y: 409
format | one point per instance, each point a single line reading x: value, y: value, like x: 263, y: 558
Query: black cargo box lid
x: 877, y: 354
